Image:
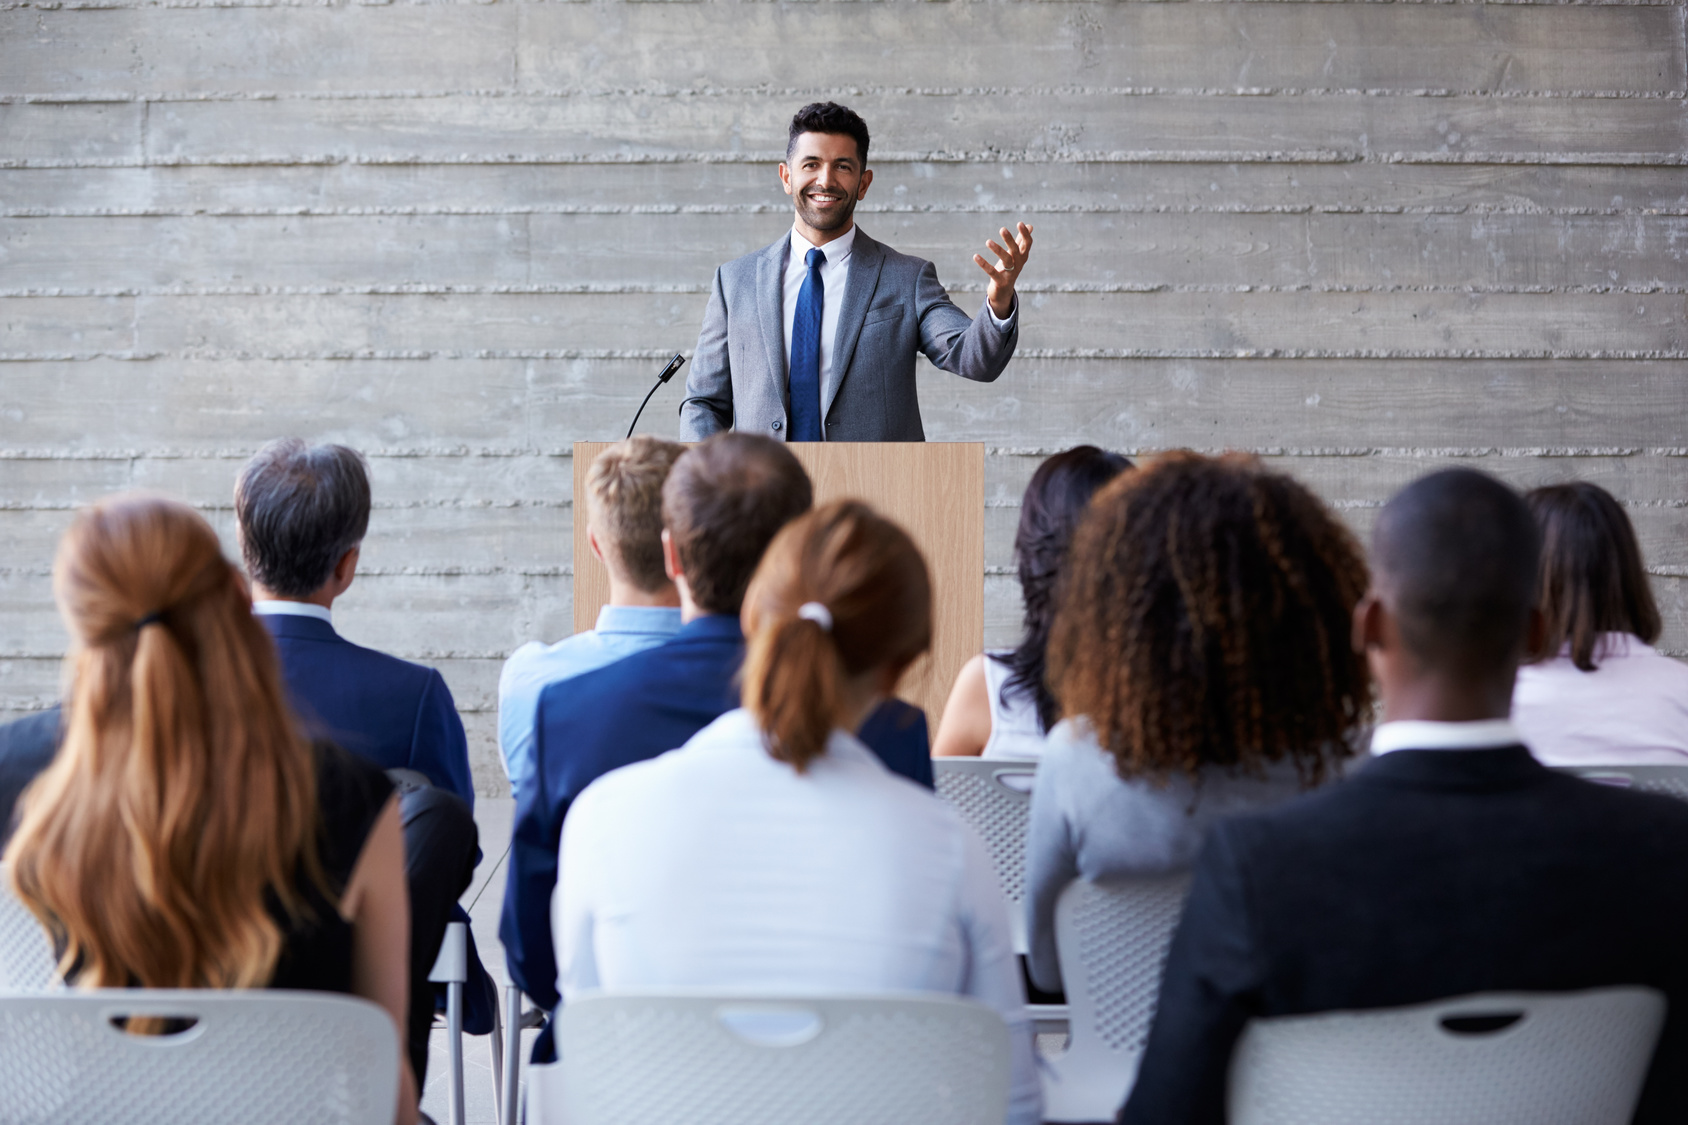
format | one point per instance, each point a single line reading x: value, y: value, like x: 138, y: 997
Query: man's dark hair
x: 722, y: 504
x: 1592, y: 577
x: 828, y: 117
x: 1456, y: 554
x: 301, y: 507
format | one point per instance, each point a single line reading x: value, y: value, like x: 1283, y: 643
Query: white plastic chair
x: 1576, y: 1058
x: 1671, y: 781
x: 994, y: 795
x: 259, y: 1058
x: 718, y: 1060
x: 27, y: 963
x: 1112, y: 939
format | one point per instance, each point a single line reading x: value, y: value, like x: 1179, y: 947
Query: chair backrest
x: 994, y: 796
x: 1671, y: 781
x: 1576, y: 1058
x: 260, y: 1058
x: 26, y: 953
x: 647, y: 1059
x: 1112, y: 939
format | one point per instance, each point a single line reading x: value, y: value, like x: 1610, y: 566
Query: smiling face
x: 824, y: 176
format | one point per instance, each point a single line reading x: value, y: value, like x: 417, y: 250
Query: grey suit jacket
x: 893, y: 307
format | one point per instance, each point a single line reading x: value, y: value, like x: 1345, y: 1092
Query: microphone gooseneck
x: 666, y: 374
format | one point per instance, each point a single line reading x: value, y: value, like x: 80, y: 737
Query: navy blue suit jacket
x: 1428, y: 874
x: 27, y: 746
x: 639, y: 707
x: 388, y: 711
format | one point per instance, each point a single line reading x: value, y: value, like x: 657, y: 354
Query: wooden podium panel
x: 935, y: 490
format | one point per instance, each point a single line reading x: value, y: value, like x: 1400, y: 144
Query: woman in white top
x: 1000, y: 706
x: 773, y: 852
x: 1599, y: 694
x: 1201, y: 654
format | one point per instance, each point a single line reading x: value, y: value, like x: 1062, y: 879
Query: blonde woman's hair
x: 183, y: 796
x: 624, y: 505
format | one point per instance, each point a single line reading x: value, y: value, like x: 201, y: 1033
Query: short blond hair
x: 624, y: 506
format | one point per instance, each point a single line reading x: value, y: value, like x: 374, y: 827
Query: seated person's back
x: 723, y: 502
x: 1454, y: 862
x: 178, y: 744
x: 774, y: 851
x: 1597, y: 692
x: 1172, y: 733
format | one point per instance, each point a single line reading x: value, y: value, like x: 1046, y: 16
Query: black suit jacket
x: 27, y: 747
x: 1429, y: 874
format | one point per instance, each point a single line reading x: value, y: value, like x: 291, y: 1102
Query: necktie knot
x: 815, y: 258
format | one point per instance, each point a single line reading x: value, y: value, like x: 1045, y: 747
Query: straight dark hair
x: 1053, y: 504
x: 301, y: 508
x: 1593, y: 580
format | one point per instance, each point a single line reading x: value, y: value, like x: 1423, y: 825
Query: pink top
x: 1631, y: 710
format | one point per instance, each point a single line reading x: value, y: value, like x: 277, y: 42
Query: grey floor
x: 482, y: 901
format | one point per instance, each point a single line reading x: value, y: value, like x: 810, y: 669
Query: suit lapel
x: 866, y: 257
x: 770, y: 287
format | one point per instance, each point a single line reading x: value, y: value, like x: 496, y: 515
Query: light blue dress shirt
x: 622, y: 630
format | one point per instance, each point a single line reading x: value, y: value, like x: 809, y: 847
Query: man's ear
x: 1370, y: 626
x: 1535, y: 632
x: 785, y: 177
x: 671, y: 556
x: 346, y: 569
x: 867, y: 178
x: 592, y: 541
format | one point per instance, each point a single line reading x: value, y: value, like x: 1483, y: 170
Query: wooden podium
x: 935, y: 490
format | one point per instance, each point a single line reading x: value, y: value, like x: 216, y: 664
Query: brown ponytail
x: 872, y: 594
x: 183, y: 799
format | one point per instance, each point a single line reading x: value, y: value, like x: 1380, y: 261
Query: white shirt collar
x: 1418, y: 734
x: 837, y: 251
x: 294, y: 609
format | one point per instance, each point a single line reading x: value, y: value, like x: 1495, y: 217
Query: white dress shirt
x: 715, y: 866
x: 1631, y: 710
x: 294, y: 609
x: 1422, y: 734
x: 835, y: 274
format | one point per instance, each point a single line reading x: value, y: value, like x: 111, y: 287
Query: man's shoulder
x: 744, y: 266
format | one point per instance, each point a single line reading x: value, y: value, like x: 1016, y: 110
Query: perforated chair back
x: 720, y: 1060
x: 995, y: 796
x: 26, y: 953
x: 1670, y: 781
x: 259, y: 1058
x: 1575, y: 1058
x: 1112, y: 939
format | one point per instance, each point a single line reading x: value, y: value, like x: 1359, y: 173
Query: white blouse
x: 1016, y: 731
x: 715, y: 866
x: 1631, y: 710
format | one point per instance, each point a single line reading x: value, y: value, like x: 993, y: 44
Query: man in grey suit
x: 813, y: 338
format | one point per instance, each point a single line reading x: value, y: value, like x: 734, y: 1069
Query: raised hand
x: 1010, y: 259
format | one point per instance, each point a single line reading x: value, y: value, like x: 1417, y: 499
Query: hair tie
x: 156, y: 617
x: 818, y: 613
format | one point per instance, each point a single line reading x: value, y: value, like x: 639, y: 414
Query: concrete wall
x: 1365, y: 239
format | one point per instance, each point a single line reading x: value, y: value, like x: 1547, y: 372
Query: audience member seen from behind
x: 837, y: 875
x: 724, y: 500
x: 302, y: 512
x: 1599, y: 693
x: 1001, y: 705
x: 1453, y: 862
x: 178, y: 746
x: 1201, y: 652
x: 624, y: 531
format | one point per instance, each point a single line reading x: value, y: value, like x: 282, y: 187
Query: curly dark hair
x: 828, y: 117
x: 1053, y: 504
x: 1204, y: 619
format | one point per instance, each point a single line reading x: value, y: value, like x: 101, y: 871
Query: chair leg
x: 454, y: 1031
x: 512, y: 1054
x: 497, y: 1044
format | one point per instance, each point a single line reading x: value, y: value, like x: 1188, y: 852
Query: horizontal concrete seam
x: 1009, y: 208
x: 1659, y: 159
x: 723, y: 93
x: 1471, y: 354
x: 1407, y: 452
x: 240, y: 454
x: 378, y: 505
x: 1351, y: 502
x: 110, y: 5
x: 613, y: 289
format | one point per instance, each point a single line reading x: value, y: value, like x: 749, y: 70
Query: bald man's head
x: 1454, y: 556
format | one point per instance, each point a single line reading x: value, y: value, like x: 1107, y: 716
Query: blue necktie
x: 806, y: 353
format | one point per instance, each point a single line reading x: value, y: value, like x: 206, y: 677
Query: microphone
x: 666, y: 374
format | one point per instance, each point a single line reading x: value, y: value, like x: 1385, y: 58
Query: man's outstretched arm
x: 708, y: 406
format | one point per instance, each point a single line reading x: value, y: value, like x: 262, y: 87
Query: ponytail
x: 841, y: 591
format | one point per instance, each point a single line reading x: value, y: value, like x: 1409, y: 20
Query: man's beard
x: 825, y: 223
